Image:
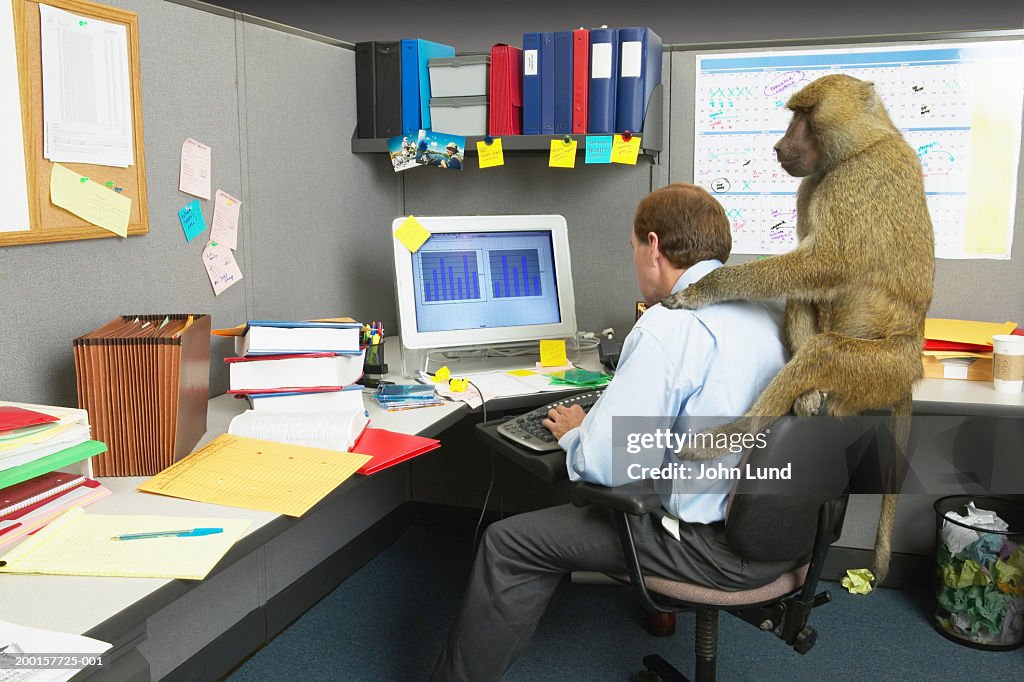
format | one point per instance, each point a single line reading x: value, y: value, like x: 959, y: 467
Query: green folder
x: 76, y: 453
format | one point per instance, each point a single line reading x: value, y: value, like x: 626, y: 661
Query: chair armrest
x: 633, y: 498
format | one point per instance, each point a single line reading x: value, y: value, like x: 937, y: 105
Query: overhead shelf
x: 651, y: 136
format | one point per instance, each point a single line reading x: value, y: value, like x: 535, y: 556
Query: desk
x: 271, y: 575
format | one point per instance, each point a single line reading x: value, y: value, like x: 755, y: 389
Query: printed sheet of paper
x: 20, y: 639
x: 87, y: 111
x: 77, y: 543
x: 90, y: 200
x: 221, y: 266
x: 196, y: 162
x: 225, y: 220
x: 256, y: 474
x: 13, y: 185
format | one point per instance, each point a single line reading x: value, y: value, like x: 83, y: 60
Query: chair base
x: 657, y: 669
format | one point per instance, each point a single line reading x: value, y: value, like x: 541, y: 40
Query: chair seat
x: 700, y: 594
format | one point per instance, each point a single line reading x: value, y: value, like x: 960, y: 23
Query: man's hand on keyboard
x: 562, y: 419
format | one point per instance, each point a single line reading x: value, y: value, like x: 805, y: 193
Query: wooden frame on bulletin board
x: 49, y: 223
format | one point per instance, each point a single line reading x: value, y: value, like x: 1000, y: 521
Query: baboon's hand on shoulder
x: 690, y: 298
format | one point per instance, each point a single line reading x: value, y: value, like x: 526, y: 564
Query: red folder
x: 18, y: 418
x: 580, y: 79
x: 505, y: 108
x: 937, y: 344
x: 389, y: 448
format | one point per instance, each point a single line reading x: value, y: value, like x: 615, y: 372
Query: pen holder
x: 374, y: 366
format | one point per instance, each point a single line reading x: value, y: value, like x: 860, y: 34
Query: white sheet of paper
x: 21, y: 639
x: 225, y: 220
x: 601, y: 60
x: 196, y: 160
x: 13, y: 186
x: 87, y: 110
x: 220, y: 266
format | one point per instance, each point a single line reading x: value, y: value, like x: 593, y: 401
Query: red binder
x: 580, y: 79
x: 505, y: 109
x: 389, y: 448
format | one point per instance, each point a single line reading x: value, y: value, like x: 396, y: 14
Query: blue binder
x: 604, y: 73
x: 531, y: 83
x: 563, y: 82
x: 639, y: 72
x: 547, y: 83
x: 416, y: 81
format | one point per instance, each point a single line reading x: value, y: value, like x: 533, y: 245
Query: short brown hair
x: 691, y: 225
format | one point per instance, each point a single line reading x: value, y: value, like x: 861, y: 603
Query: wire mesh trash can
x: 980, y: 557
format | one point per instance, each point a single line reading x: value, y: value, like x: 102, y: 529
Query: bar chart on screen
x: 450, y: 276
x: 515, y: 273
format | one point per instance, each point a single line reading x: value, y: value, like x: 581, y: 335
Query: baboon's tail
x: 901, y: 413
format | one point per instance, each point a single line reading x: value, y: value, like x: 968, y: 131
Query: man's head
x: 675, y: 227
x: 452, y: 148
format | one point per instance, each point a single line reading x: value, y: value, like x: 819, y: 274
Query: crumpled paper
x: 957, y: 537
x: 858, y: 581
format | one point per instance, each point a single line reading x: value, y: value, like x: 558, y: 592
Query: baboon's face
x: 798, y: 151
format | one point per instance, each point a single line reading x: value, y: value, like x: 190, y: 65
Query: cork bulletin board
x: 50, y: 223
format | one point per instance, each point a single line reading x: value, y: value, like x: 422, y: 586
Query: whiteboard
x: 957, y: 104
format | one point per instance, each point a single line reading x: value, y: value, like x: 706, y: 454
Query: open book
x: 336, y: 430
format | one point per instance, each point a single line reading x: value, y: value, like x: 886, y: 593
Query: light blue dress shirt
x: 711, y: 362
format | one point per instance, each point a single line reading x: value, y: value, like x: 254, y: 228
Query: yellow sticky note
x: 412, y: 234
x: 490, y: 154
x: 552, y: 353
x: 563, y: 154
x: 442, y: 374
x: 521, y: 372
x: 858, y: 581
x: 458, y: 385
x: 90, y: 200
x: 625, y: 151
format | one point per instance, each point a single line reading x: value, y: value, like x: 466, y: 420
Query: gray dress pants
x: 522, y: 558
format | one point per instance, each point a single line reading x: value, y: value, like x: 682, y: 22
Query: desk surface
x: 43, y: 601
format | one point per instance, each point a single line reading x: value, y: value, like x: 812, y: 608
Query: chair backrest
x: 775, y: 519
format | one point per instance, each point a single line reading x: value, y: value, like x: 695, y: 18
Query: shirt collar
x: 695, y: 272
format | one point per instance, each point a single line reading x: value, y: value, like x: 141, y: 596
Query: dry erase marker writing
x: 193, y: 533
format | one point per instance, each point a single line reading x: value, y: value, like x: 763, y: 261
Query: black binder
x: 388, y: 88
x: 365, y: 91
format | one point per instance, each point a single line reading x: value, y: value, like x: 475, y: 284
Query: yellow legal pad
x: 256, y: 474
x: 77, y: 543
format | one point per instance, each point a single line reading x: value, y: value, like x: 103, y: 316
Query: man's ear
x: 655, y: 244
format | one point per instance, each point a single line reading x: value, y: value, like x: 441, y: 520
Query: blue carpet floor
x: 388, y: 620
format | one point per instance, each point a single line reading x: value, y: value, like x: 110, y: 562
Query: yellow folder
x: 965, y: 331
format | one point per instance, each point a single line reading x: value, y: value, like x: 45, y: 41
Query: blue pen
x: 192, y: 533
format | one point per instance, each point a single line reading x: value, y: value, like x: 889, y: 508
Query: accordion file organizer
x: 144, y: 380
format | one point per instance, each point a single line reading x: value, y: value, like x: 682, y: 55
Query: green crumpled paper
x: 858, y: 581
x: 969, y: 574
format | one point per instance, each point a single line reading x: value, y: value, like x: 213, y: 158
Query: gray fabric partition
x: 278, y: 111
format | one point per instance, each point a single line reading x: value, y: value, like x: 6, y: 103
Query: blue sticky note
x: 599, y: 149
x: 191, y: 218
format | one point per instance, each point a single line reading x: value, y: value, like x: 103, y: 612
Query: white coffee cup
x: 1008, y: 363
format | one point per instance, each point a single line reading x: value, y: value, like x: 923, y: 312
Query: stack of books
x: 394, y: 397
x: 35, y: 441
x: 298, y: 366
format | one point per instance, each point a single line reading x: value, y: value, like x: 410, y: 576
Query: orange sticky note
x: 490, y: 154
x: 563, y: 154
x: 552, y: 353
x: 412, y: 234
x: 625, y: 151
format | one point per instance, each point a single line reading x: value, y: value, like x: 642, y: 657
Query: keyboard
x: 528, y: 432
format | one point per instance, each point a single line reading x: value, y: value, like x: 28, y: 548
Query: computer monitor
x: 485, y: 280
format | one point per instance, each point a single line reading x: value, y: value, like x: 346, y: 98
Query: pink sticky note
x: 194, y: 178
x: 225, y: 220
x: 220, y: 266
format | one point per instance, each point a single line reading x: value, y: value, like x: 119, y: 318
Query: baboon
x: 859, y: 282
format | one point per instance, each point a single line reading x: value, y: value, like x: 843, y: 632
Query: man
x: 452, y: 159
x: 711, y: 362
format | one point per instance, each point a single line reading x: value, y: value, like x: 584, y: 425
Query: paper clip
x: 567, y: 139
x: 626, y: 136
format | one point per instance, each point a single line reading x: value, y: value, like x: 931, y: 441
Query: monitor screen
x: 485, y: 279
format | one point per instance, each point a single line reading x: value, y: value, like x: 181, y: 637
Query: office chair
x: 766, y: 520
